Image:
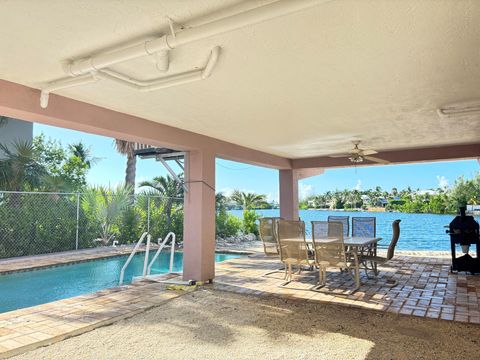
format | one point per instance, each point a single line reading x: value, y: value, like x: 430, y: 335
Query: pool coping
x: 28, y: 263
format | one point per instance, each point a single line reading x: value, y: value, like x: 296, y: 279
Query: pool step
x: 156, y: 278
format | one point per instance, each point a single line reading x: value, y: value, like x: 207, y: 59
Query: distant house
x: 15, y: 130
x: 427, y: 192
x: 382, y: 202
x: 473, y: 209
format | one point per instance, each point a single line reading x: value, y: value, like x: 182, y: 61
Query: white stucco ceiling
x: 297, y: 86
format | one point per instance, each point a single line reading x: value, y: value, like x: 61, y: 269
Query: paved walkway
x: 26, y: 329
x: 425, y: 287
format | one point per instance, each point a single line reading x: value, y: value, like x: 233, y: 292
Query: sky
x: 110, y: 170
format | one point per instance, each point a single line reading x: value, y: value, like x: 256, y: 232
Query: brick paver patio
x: 425, y: 287
x: 26, y: 329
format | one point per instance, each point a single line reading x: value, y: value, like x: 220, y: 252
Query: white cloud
x: 229, y: 191
x: 272, y: 197
x: 226, y: 191
x: 359, y: 185
x: 442, y: 182
x: 304, y: 190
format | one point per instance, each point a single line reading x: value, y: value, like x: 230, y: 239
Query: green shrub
x: 227, y: 224
x: 250, y: 218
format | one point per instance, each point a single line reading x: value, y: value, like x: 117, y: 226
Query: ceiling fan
x: 357, y: 155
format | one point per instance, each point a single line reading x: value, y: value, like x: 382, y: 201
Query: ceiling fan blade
x: 340, y: 155
x: 367, y: 152
x: 377, y: 160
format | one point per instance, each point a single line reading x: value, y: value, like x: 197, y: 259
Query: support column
x: 199, y: 217
x: 288, y: 195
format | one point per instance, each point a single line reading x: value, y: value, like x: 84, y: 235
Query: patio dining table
x: 358, y: 246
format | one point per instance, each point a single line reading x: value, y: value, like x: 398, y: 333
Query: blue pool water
x: 29, y: 288
x: 417, y: 231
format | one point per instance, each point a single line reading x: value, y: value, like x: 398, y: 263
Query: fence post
x: 148, y: 214
x: 78, y: 221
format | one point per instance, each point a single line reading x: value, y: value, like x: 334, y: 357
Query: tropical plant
x: 250, y: 218
x: 105, y: 206
x: 225, y: 224
x: 127, y: 148
x: 19, y: 168
x: 220, y: 201
x: 68, y: 166
x: 169, y: 189
x: 248, y: 200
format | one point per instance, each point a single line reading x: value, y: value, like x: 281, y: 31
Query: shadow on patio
x: 425, y: 287
x: 209, y: 323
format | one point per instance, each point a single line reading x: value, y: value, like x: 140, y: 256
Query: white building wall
x: 15, y: 130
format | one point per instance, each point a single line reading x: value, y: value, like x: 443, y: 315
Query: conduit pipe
x: 162, y: 61
x: 85, y: 71
x: 171, y: 41
x: 165, y: 82
x: 63, y: 84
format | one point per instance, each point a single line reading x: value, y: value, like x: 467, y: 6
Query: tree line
x: 46, y: 220
x: 445, y: 200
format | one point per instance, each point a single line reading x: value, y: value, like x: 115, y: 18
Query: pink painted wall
x: 199, y: 218
x: 288, y: 183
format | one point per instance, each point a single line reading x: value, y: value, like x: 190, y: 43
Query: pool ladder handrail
x: 160, y: 248
x: 134, y: 251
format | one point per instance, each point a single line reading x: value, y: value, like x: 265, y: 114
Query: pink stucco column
x: 288, y: 194
x: 199, y: 217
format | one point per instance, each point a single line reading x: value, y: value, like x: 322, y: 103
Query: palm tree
x: 105, y: 206
x: 168, y: 188
x: 248, y: 200
x: 83, y: 153
x: 127, y: 148
x: 19, y: 169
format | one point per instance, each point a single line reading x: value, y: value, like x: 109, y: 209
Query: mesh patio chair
x: 375, y: 259
x: 364, y: 226
x: 330, y: 251
x: 267, y: 230
x: 293, y: 246
x: 345, y: 220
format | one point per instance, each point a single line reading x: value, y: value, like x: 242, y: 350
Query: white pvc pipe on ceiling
x: 171, y: 41
x: 89, y: 70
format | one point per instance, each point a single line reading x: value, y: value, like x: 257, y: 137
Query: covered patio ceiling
x: 300, y: 86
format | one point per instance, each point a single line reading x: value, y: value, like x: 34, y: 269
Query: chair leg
x: 288, y: 275
x: 357, y: 273
x: 275, y: 271
x: 321, y: 278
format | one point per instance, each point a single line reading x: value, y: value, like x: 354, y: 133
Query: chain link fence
x: 33, y: 223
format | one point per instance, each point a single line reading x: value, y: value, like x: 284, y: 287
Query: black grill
x: 464, y: 231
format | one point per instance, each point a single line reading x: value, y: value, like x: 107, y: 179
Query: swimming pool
x: 24, y: 289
